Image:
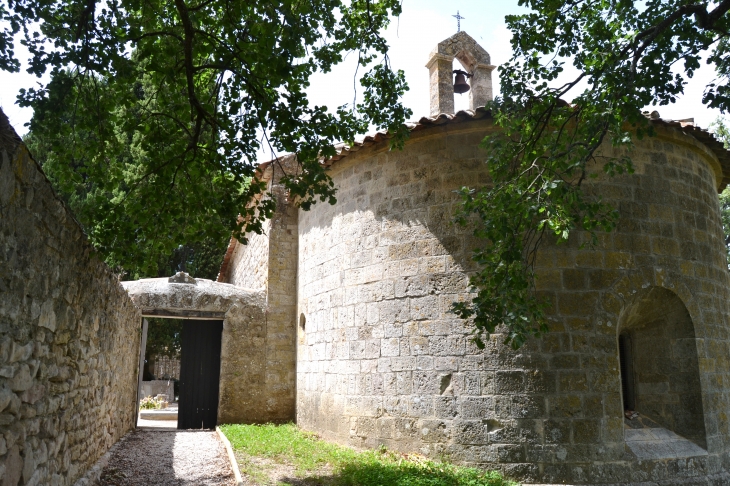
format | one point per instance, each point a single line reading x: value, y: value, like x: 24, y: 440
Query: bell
x: 460, y: 85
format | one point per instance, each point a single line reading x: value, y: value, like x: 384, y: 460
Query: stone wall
x: 249, y: 267
x: 271, y: 260
x: 281, y: 297
x: 69, y: 334
x: 381, y: 360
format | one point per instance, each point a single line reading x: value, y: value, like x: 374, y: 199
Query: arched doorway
x: 660, y: 377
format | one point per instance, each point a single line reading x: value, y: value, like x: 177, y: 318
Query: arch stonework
x: 440, y: 66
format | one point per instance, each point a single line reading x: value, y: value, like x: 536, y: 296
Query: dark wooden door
x: 200, y: 365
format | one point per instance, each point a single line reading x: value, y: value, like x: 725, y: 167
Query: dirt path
x: 168, y: 458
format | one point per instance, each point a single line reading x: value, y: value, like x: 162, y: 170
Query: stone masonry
x: 440, y: 66
x: 69, y: 334
x: 381, y: 360
x: 244, y: 395
x: 269, y: 261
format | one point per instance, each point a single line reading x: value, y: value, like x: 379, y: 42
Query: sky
x: 421, y: 26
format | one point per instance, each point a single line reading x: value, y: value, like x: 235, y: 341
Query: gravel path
x: 168, y: 458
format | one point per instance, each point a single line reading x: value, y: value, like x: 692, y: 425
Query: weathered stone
x: 59, y: 277
x: 35, y: 393
x: 20, y: 353
x: 7, y: 178
x: 5, y: 397
x: 475, y: 60
x: 249, y: 397
x: 7, y: 371
x: 13, y: 467
x: 5, y: 347
x: 47, y: 318
x: 556, y: 401
x: 22, y: 379
x: 183, y: 278
x: 29, y: 463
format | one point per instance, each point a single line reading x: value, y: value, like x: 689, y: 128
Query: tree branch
x: 200, y: 111
x: 705, y: 21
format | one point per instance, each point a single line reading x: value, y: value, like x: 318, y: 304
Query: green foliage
x: 164, y: 338
x: 625, y: 53
x: 308, y: 454
x: 725, y: 217
x: 721, y: 130
x: 156, y: 110
x: 200, y: 259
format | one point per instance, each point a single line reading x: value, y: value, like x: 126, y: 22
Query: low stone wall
x: 69, y: 334
x: 157, y: 387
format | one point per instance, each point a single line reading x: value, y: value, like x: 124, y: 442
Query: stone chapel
x: 338, y: 317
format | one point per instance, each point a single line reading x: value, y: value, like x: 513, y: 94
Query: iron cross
x: 458, y: 20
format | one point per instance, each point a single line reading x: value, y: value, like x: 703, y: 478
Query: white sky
x: 423, y: 24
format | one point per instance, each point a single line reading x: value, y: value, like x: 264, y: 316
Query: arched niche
x: 660, y: 368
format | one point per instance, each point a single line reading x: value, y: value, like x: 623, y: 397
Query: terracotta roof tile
x: 687, y: 126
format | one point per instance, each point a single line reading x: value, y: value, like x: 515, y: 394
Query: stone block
x: 577, y: 303
x: 509, y: 382
x: 477, y: 408
x: 446, y: 345
x: 565, y: 406
x: 434, y: 431
x: 586, y: 431
x: 527, y: 406
x: 572, y: 381
x: 446, y: 407
x: 425, y: 307
x: 575, y: 279
x: 13, y: 467
x: 421, y: 406
x: 471, y: 432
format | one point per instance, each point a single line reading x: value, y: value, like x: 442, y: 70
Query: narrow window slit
x: 626, y: 360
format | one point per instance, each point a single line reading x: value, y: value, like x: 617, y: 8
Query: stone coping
x: 231, y: 456
x: 195, y: 298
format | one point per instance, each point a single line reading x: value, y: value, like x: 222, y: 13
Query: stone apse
x: 381, y: 360
x: 367, y: 284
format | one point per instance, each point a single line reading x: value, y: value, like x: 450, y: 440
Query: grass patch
x: 325, y: 463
